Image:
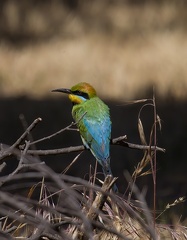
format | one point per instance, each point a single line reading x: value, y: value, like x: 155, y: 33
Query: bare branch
x: 101, y: 198
x: 2, y: 166
x: 116, y: 141
x: 120, y: 141
x: 57, y: 151
x: 54, y: 134
x: 60, y: 131
x: 6, y: 152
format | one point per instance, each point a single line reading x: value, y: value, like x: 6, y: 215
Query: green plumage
x: 95, y: 127
x: 93, y: 120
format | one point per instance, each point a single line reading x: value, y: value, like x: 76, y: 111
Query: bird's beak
x: 63, y: 90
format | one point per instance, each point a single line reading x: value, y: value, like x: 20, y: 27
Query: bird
x: 93, y: 120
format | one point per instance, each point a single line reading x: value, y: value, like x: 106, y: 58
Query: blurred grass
x: 120, y: 48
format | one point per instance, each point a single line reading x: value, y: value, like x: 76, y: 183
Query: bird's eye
x: 82, y: 94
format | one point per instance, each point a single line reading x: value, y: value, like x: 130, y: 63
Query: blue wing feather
x: 97, y: 137
x: 95, y: 130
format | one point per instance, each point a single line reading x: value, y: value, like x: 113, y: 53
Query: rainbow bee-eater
x: 93, y: 120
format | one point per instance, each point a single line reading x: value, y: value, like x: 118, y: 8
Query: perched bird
x: 93, y: 121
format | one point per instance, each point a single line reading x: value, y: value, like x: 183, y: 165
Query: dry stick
x: 56, y: 151
x: 25, y: 126
x: 33, y: 164
x: 10, y: 176
x: 115, y: 141
x: 153, y: 161
x: 49, y: 236
x: 101, y: 198
x: 154, y: 167
x: 70, y: 165
x: 8, y: 151
x: 143, y: 205
x: 22, y: 156
x: 55, y: 134
x: 153, y: 137
x: 60, y: 131
x: 29, y: 136
x: 97, y: 206
x: 121, y: 142
x: 154, y: 149
x: 2, y: 166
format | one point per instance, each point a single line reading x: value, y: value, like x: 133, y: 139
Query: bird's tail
x: 107, y: 171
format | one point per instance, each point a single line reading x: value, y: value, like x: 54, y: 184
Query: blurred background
x: 121, y: 47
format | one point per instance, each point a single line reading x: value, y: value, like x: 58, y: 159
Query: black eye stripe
x: 82, y: 94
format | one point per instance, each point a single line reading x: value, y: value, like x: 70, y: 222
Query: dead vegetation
x: 57, y: 206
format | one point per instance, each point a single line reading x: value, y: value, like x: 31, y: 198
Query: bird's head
x: 79, y: 93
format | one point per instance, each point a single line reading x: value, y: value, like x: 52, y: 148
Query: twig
x: 116, y: 141
x: 121, y: 142
x: 49, y: 236
x: 96, y: 207
x: 101, y: 198
x: 54, y: 134
x: 144, y: 206
x: 56, y: 151
x: 154, y: 158
x: 71, y: 164
x: 60, y: 131
x: 16, y: 171
x: 2, y: 166
x: 25, y: 126
x: 7, y: 152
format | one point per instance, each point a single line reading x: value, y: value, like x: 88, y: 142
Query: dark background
x: 56, y: 114
x: 17, y: 32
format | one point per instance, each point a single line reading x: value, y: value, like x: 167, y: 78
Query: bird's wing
x: 96, y: 136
